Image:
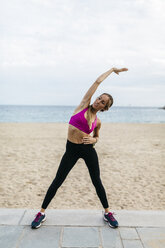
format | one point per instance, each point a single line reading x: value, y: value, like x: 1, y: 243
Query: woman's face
x: 100, y: 102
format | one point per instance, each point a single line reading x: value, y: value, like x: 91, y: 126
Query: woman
x: 80, y: 144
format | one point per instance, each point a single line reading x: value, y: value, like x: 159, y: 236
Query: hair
x: 109, y: 103
x: 91, y: 109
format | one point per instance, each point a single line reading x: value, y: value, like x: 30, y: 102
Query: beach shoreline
x: 131, y: 162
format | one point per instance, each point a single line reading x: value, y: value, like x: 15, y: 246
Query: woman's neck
x: 92, y: 110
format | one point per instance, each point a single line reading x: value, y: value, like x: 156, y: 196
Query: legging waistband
x: 79, y: 145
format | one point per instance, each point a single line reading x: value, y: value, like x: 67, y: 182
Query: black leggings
x: 72, y: 154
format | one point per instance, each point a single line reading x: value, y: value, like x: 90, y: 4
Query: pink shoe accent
x: 37, y: 216
x: 110, y: 215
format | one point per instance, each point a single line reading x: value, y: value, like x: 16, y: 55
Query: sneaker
x: 112, y: 222
x: 38, y: 220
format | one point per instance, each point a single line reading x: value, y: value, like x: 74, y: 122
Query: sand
x: 131, y: 157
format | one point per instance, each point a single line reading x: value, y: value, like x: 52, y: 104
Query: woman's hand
x: 89, y: 140
x: 119, y: 70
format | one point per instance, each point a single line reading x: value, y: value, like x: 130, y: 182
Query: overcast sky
x: 53, y: 50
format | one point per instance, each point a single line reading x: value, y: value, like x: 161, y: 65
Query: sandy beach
x: 131, y: 158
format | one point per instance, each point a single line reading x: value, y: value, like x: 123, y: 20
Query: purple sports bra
x: 78, y: 120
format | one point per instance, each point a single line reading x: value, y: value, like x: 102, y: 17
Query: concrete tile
x: 128, y: 233
x: 141, y: 218
x: 152, y: 237
x: 9, y: 216
x: 80, y: 237
x: 44, y: 237
x: 110, y: 238
x: 9, y: 236
x: 67, y: 217
x: 132, y: 244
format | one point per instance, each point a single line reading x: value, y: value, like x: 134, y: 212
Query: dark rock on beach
x: 162, y: 107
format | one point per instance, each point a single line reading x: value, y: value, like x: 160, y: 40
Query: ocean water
x: 62, y: 114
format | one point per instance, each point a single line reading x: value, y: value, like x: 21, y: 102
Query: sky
x: 52, y: 51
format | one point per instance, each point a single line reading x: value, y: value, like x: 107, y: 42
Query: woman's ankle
x: 42, y: 210
x: 106, y: 210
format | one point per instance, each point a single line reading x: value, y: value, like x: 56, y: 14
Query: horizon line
x: 37, y: 105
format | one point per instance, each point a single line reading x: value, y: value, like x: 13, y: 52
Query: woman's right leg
x: 67, y: 162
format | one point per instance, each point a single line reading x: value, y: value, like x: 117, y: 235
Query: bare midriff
x: 75, y: 135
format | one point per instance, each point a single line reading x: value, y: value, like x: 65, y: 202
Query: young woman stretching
x: 80, y: 145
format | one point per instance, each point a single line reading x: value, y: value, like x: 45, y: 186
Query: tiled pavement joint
x: 139, y: 238
x: 121, y: 238
x: 22, y: 217
x: 100, y: 237
x: 61, y: 237
x: 20, y: 238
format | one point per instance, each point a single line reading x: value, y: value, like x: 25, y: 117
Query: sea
x: 62, y: 114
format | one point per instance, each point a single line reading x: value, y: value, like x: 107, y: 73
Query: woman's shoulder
x: 79, y: 109
x: 98, y: 123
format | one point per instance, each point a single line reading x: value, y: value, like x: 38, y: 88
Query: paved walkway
x: 82, y: 228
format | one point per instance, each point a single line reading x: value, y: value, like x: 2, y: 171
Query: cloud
x: 42, y: 32
x: 81, y: 39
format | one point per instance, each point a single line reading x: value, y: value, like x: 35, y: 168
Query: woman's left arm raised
x: 87, y: 97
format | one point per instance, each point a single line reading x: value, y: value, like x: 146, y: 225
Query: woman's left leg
x: 91, y: 160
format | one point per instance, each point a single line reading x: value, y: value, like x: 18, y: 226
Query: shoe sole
x: 109, y: 223
x: 39, y: 224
